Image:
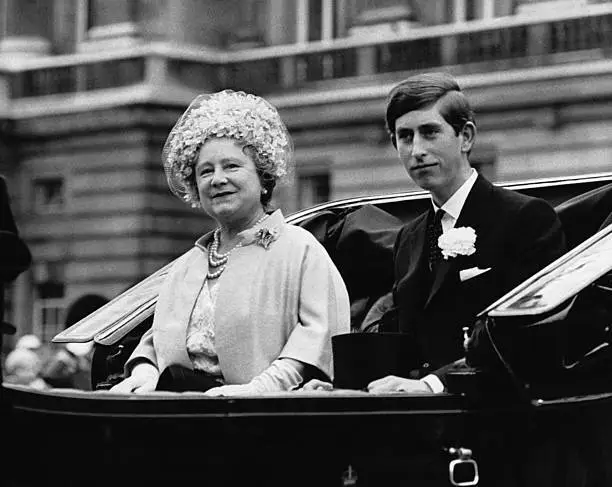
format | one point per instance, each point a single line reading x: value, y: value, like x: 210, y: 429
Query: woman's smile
x: 221, y: 195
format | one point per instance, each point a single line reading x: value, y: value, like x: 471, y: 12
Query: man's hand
x: 142, y: 380
x: 392, y: 383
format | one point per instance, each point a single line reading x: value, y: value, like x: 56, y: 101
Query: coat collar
x: 474, y: 210
x: 274, y: 221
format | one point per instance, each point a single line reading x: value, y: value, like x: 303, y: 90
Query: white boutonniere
x: 265, y: 236
x: 457, y: 241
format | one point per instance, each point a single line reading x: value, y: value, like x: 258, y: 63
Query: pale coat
x: 284, y: 301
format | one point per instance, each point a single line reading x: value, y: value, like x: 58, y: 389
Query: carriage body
x: 482, y: 432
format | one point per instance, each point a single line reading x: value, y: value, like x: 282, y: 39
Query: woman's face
x: 227, y: 181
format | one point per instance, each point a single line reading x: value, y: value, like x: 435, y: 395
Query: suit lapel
x: 411, y: 264
x: 475, y: 207
x: 417, y: 246
x: 471, y: 215
x: 442, y: 272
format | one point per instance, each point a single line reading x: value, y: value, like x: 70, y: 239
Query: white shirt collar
x: 454, y: 204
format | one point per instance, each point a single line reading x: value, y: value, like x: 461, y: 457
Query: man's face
x: 432, y: 154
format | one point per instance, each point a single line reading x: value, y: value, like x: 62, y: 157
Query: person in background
x: 23, y: 367
x: 29, y: 342
x: 69, y: 366
x: 251, y: 309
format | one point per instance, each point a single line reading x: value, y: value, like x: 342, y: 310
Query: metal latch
x: 463, y: 470
x: 349, y: 477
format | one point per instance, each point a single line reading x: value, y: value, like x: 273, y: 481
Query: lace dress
x: 201, y: 331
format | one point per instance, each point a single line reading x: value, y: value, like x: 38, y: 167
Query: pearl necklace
x: 218, y: 260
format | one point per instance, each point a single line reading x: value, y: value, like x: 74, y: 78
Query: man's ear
x: 468, y: 135
x: 393, y: 139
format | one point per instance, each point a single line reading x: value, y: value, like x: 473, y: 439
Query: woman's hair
x: 267, y: 178
x: 247, y: 119
x: 426, y: 89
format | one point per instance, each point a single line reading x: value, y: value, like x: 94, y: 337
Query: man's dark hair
x: 426, y: 89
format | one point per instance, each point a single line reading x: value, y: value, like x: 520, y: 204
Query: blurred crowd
x: 46, y: 365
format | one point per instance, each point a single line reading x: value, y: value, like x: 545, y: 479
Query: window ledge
x: 113, y: 36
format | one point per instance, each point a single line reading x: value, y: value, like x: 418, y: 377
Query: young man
x: 492, y: 240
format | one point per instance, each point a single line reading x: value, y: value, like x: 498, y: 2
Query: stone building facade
x: 90, y: 88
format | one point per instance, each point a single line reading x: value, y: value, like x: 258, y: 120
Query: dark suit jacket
x: 15, y: 256
x: 516, y: 235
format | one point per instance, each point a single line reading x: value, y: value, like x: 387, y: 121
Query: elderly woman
x: 253, y: 306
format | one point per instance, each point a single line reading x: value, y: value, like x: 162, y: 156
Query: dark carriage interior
x: 360, y: 240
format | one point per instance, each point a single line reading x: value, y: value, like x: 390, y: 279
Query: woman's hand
x: 317, y: 385
x: 142, y: 380
x: 232, y: 390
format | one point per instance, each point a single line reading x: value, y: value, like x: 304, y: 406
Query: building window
x: 248, y: 32
x: 49, y: 306
x: 313, y: 188
x: 48, y: 318
x: 49, y: 194
x: 104, y: 19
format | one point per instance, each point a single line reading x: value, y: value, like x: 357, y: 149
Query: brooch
x: 265, y: 237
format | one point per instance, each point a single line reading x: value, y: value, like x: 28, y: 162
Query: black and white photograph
x: 311, y: 243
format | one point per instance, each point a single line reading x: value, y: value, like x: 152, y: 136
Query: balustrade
x: 55, y: 80
x: 498, y: 46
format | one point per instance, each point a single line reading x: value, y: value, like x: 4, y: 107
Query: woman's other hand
x: 142, y: 380
x: 317, y: 385
x: 232, y: 390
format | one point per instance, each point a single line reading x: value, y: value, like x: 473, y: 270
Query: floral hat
x: 244, y: 117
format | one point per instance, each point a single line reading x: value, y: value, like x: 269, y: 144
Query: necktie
x: 434, y: 230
